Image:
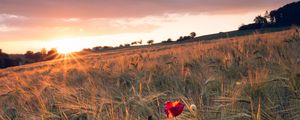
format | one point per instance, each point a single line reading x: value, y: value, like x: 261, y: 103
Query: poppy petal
x: 173, y: 109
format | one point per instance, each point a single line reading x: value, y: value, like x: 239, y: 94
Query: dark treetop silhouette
x: 285, y: 16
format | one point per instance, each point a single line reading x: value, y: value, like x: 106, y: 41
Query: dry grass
x: 252, y: 77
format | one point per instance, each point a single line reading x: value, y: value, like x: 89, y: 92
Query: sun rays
x: 68, y: 45
x: 71, y: 59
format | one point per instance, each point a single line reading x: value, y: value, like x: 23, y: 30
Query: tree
x: 286, y: 15
x: 97, y: 48
x: 150, y: 42
x: 169, y: 40
x: 267, y: 16
x: 127, y: 45
x: 52, y: 54
x: 53, y: 51
x: 5, y: 61
x: 107, y: 47
x: 29, y: 54
x: 180, y: 39
x: 260, y: 20
x: 38, y: 56
x: 140, y: 42
x: 193, y: 34
x: 44, y: 51
x: 86, y: 50
x: 133, y: 43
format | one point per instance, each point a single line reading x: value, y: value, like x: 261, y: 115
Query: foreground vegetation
x: 251, y: 77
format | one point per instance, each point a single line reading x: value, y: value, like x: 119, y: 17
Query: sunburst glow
x: 67, y: 45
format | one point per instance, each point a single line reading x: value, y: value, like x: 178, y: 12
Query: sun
x: 67, y: 45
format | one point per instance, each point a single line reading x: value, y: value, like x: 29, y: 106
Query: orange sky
x: 35, y: 24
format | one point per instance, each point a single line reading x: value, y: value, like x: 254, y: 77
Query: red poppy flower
x: 173, y: 109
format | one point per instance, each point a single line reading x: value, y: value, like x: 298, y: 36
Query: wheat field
x: 254, y: 77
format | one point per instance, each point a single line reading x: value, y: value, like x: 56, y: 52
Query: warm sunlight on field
x: 254, y: 77
x: 150, y: 60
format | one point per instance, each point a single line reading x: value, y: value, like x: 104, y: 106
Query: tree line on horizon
x: 191, y: 36
x: 285, y: 16
x: 10, y: 60
x: 7, y: 60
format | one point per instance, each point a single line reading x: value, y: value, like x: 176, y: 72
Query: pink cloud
x: 129, y: 8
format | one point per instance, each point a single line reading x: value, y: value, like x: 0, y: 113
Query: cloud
x: 7, y: 18
x: 5, y: 28
x: 129, y: 8
x: 71, y: 19
x: 50, y: 28
x: 45, y: 19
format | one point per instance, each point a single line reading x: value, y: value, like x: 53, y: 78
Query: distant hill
x: 238, y: 33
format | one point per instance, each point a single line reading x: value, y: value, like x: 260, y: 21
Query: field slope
x: 251, y: 77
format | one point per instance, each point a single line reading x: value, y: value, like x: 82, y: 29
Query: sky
x: 76, y: 24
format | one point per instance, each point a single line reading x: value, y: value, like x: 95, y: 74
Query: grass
x: 253, y: 77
